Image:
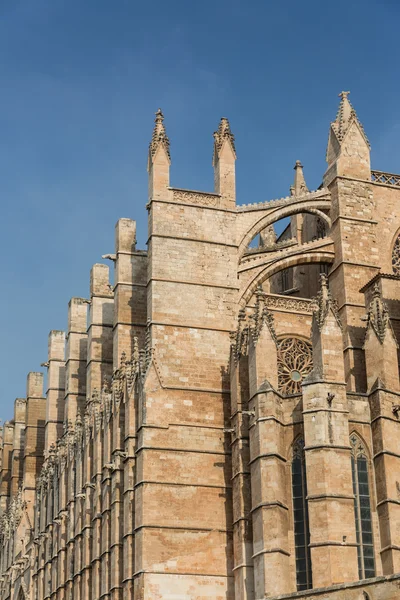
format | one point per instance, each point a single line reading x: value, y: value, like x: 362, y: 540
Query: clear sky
x: 80, y: 82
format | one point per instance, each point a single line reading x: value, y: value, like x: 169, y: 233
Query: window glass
x: 300, y: 518
x: 362, y: 509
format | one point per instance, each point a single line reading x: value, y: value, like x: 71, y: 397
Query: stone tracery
x: 294, y: 363
x: 396, y: 256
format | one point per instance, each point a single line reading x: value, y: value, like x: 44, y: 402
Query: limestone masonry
x: 223, y: 422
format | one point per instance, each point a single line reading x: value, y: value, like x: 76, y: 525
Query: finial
x: 223, y: 133
x: 299, y: 187
x: 325, y: 303
x: 324, y: 282
x: 159, y: 136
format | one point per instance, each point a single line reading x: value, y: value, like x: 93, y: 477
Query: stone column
x: 100, y: 334
x: 384, y: 396
x: 55, y: 388
x: 130, y: 283
x: 6, y: 464
x: 268, y: 464
x: 130, y: 442
x: 105, y: 532
x: 243, y: 568
x: 353, y: 231
x: 87, y: 521
x: 97, y: 509
x: 34, y: 437
x: 17, y: 466
x: 76, y: 358
x: 327, y: 449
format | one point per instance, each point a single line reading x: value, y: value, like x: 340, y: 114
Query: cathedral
x: 222, y: 422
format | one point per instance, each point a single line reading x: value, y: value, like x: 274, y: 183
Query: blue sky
x: 80, y: 82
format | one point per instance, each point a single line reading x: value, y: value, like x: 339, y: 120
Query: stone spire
x: 159, y: 137
x: 223, y: 133
x: 344, y: 118
x: 299, y: 187
x: 224, y: 158
x: 348, y: 151
x: 159, y: 161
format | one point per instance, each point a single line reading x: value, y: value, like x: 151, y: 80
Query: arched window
x: 300, y: 518
x: 396, y: 256
x: 362, y: 508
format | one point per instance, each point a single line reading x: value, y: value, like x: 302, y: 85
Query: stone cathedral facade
x: 223, y: 421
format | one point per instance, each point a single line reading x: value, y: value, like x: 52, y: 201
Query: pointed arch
x: 362, y: 506
x: 396, y: 253
x: 300, y: 516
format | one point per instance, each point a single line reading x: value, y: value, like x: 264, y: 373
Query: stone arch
x: 365, y: 448
x: 273, y: 215
x: 279, y: 265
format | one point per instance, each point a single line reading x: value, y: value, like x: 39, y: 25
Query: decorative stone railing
x: 385, y: 178
x: 287, y: 303
x: 195, y: 197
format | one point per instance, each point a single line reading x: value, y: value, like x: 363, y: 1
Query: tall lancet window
x: 300, y: 518
x: 362, y: 509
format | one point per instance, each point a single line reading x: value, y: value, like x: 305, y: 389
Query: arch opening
x: 300, y: 223
x: 321, y: 258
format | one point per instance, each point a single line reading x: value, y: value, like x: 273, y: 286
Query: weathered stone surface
x: 203, y: 411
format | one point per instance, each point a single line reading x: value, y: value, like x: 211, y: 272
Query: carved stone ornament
x: 294, y: 364
x: 261, y: 316
x: 288, y: 304
x: 357, y: 447
x: 324, y: 303
x: 378, y: 314
x: 252, y: 323
x: 198, y: 198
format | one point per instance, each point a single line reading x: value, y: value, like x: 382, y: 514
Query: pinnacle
x: 299, y: 187
x: 159, y: 136
x: 345, y: 116
x: 223, y: 133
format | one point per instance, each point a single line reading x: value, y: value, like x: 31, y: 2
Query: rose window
x: 396, y: 257
x: 294, y: 363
